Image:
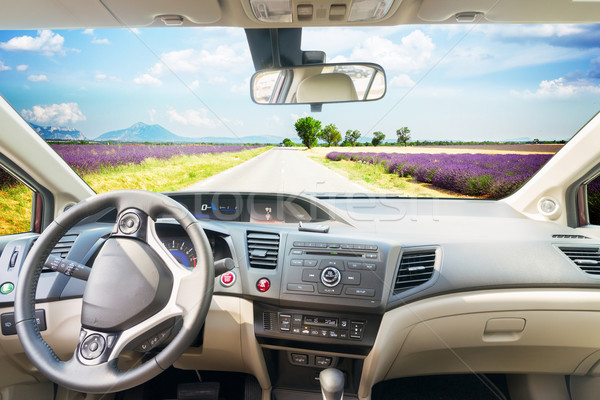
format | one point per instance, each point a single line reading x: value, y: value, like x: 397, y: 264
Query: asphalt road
x: 280, y: 170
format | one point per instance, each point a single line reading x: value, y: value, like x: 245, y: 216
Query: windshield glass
x: 470, y: 111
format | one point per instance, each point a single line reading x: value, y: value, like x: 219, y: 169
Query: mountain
x: 264, y: 139
x: 521, y: 139
x: 141, y: 132
x: 57, y: 133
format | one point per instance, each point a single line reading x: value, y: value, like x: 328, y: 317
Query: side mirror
x: 318, y: 84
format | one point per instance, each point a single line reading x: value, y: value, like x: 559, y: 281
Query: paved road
x: 279, y: 170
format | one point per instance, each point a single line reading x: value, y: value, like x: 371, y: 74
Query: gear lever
x: 332, y: 384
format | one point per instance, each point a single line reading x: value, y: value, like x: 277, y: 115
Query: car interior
x: 205, y: 294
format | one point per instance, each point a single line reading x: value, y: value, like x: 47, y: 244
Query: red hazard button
x: 263, y: 285
x: 228, y: 279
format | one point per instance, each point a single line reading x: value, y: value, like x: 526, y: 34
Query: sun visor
x: 137, y: 13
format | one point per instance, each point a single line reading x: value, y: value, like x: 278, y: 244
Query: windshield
x: 470, y: 111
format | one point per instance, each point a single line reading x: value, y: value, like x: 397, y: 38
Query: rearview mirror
x: 319, y: 84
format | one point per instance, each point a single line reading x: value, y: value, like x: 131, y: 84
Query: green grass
x: 152, y: 174
x: 376, y: 178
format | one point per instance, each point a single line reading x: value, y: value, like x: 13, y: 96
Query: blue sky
x: 459, y: 82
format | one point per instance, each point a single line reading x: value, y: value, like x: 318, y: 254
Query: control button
x: 332, y: 263
x: 323, y: 361
x: 227, y: 279
x: 354, y: 265
x: 356, y: 329
x: 334, y: 246
x: 295, y: 262
x: 344, y: 323
x: 331, y: 276
x: 8, y: 324
x: 296, y: 331
x: 359, y: 247
x: 354, y: 291
x: 333, y: 334
x: 351, y: 278
x: 92, y: 347
x: 299, y: 358
x: 110, y: 340
x: 143, y: 347
x: 299, y: 244
x: 7, y: 287
x: 310, y: 263
x: 321, y: 245
x: 324, y: 333
x: 371, y: 255
x: 347, y: 246
x: 329, y: 290
x: 371, y: 247
x: 40, y: 319
x: 369, y: 266
x: 285, y: 322
x: 310, y: 275
x: 343, y: 335
x: 315, y: 332
x: 297, y: 252
x: 305, y: 330
x: 299, y: 287
x: 263, y: 285
x: 297, y: 319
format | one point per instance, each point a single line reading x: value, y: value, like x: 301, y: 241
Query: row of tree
x: 310, y: 132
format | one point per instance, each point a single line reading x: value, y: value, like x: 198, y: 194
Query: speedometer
x: 183, y: 252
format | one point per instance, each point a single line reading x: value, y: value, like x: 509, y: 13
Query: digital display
x: 225, y: 209
x: 321, y: 321
x: 267, y: 212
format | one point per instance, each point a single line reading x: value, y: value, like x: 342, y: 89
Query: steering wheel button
x: 92, y: 347
x: 263, y: 285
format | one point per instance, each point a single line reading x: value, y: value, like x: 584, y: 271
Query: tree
x: 403, y: 135
x: 352, y: 136
x: 378, y: 138
x: 331, y: 135
x: 308, y: 130
x: 288, y: 143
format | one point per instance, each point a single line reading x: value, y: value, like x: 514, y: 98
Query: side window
x: 15, y: 205
x: 593, y: 200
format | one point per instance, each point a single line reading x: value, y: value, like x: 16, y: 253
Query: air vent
x: 569, y: 237
x: 586, y: 258
x: 263, y: 249
x: 268, y: 318
x: 415, y: 269
x: 64, y: 245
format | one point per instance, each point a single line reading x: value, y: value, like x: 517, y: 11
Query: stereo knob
x: 330, y: 276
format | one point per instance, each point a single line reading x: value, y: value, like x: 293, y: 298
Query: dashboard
x: 372, y: 285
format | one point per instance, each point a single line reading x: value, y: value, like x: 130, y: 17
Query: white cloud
x: 88, y: 32
x: 100, y: 77
x: 46, y: 42
x: 54, y: 114
x: 296, y: 117
x: 560, y: 88
x: 195, y: 85
x: 412, y: 54
x: 100, y: 41
x: 147, y: 79
x: 37, y: 78
x: 4, y: 67
x: 402, y: 81
x: 135, y: 31
x: 242, y: 87
x: 191, y: 60
x: 217, y: 79
x: 151, y: 114
x: 192, y: 117
x: 103, y: 77
x: 532, y: 31
x: 22, y: 67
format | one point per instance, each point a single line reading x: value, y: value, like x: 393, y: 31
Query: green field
x: 154, y: 175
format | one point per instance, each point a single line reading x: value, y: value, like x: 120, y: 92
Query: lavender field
x: 490, y: 176
x: 88, y: 158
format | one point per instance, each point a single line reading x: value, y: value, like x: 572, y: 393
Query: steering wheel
x: 137, y: 295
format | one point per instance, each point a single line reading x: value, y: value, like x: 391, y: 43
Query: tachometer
x: 183, y: 252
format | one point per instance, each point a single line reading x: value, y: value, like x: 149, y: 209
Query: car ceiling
x: 65, y: 14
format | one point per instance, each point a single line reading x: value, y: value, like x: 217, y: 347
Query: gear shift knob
x: 332, y: 384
